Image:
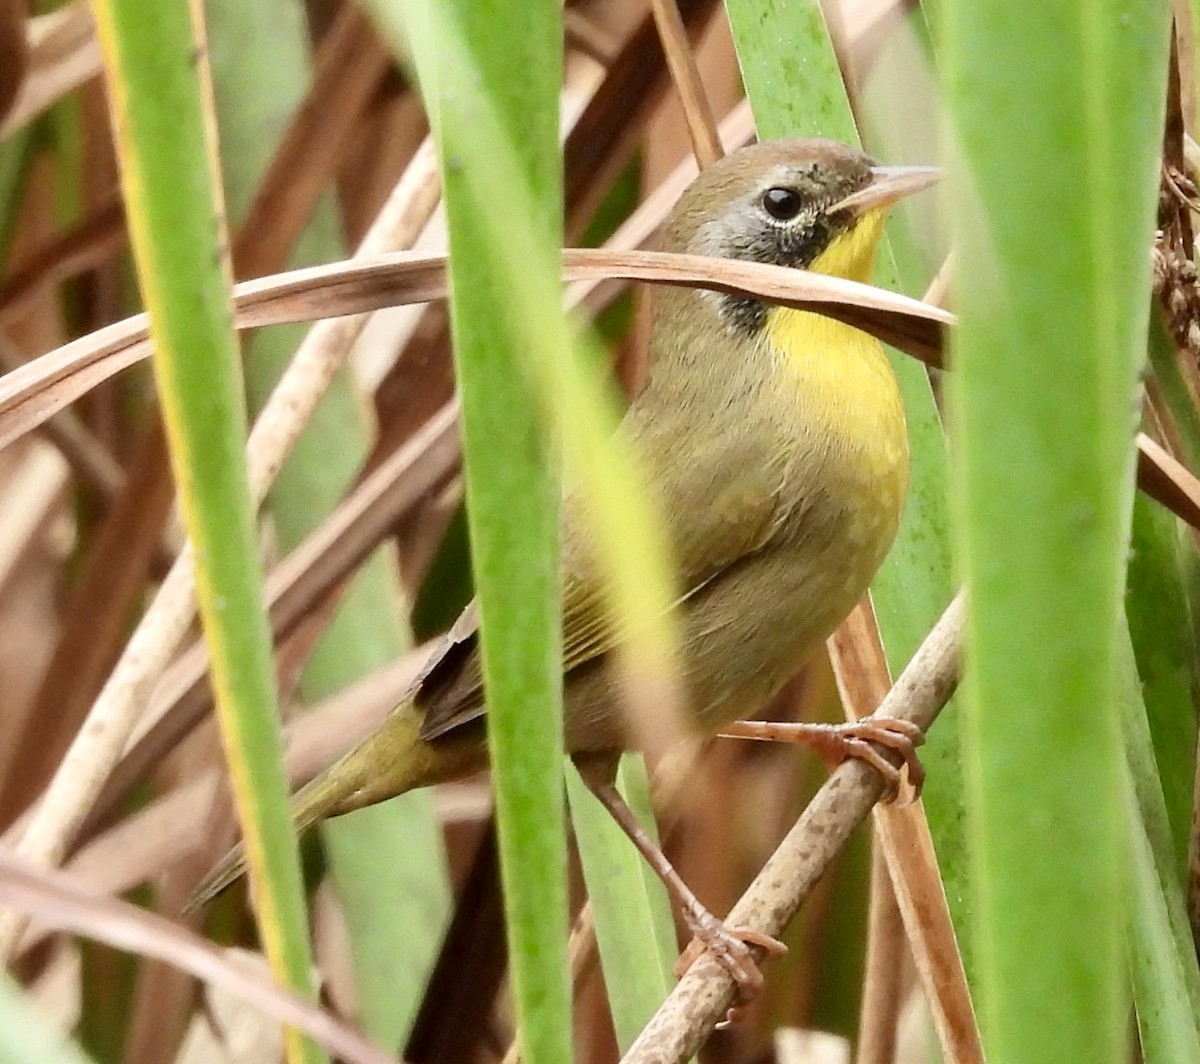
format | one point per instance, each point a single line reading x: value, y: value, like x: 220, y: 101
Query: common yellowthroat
x: 776, y: 442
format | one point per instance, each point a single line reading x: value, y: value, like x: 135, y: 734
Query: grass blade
x: 1162, y: 957
x: 164, y: 136
x: 395, y: 910
x: 1058, y: 117
x: 795, y: 85
x: 634, y: 927
x: 498, y: 65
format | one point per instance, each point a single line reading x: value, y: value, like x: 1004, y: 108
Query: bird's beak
x: 888, y: 184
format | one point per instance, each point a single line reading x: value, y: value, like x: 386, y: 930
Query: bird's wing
x: 718, y: 508
x: 451, y: 684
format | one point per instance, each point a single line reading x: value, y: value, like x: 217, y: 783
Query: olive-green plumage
x: 776, y: 443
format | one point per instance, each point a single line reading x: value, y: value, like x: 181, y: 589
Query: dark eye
x: 782, y: 204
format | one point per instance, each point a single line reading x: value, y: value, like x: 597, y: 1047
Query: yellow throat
x: 843, y: 372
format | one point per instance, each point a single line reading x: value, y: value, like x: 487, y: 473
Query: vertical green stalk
x: 167, y: 152
x: 635, y: 931
x: 495, y: 65
x: 1160, y: 625
x: 393, y: 909
x: 576, y: 411
x: 1159, y: 946
x: 1057, y: 115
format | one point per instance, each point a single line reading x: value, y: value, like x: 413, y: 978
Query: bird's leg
x: 836, y: 742
x: 729, y: 945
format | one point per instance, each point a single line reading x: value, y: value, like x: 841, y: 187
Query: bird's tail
x: 390, y: 761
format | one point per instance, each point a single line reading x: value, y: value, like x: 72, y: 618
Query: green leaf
x: 1162, y: 956
x: 795, y: 86
x: 394, y: 913
x: 634, y: 928
x: 1058, y: 120
x: 174, y: 215
x: 1161, y: 628
x: 497, y: 66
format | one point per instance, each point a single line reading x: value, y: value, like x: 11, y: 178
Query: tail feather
x: 390, y: 761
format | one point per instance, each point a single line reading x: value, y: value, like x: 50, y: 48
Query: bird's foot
x: 731, y: 948
x: 836, y: 742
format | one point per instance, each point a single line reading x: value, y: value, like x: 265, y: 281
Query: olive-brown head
x: 817, y: 205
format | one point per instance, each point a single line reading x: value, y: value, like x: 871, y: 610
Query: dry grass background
x: 87, y: 532
x: 80, y: 552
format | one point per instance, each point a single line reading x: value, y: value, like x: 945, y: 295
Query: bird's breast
x: 839, y: 389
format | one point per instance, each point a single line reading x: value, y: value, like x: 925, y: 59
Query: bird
x: 774, y: 440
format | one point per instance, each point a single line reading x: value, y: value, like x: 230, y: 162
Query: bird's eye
x: 782, y: 204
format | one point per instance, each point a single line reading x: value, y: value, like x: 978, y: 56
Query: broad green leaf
x: 1057, y: 117
x: 497, y: 66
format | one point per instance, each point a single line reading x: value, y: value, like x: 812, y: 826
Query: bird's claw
x: 855, y: 739
x: 731, y: 948
x: 836, y: 742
